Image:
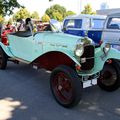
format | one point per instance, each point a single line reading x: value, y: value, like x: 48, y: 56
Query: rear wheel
x: 66, y: 86
x: 3, y: 59
x: 109, y: 79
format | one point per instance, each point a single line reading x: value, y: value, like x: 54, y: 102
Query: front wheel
x: 66, y: 86
x: 109, y: 79
x: 3, y: 59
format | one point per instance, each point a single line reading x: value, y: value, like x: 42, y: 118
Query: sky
x: 75, y: 5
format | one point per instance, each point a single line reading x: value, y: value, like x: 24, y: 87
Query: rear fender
x: 6, y: 49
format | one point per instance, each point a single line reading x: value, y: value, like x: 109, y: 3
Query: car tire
x: 109, y: 79
x: 66, y: 86
x: 3, y: 59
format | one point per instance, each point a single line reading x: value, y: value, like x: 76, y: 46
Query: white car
x: 111, y: 31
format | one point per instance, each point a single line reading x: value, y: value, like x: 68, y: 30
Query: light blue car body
x: 32, y: 47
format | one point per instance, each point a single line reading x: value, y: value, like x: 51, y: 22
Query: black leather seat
x: 22, y: 33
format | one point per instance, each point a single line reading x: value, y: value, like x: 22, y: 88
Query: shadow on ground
x: 27, y: 96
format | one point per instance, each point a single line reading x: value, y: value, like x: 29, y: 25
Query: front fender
x: 100, y: 60
x: 68, y: 53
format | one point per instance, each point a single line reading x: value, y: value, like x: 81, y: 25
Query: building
x: 108, y: 11
x: 104, y: 6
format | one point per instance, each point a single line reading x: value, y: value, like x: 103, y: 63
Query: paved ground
x: 25, y: 95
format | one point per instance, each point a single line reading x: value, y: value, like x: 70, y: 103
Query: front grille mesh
x: 89, y: 55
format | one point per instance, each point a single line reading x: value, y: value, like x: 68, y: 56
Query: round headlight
x: 79, y: 50
x: 106, y: 49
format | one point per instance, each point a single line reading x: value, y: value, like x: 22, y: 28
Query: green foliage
x: 7, y: 6
x: 94, y: 13
x: 57, y: 16
x: 10, y: 21
x: 1, y: 19
x: 56, y: 9
x: 35, y: 15
x: 88, y: 10
x: 45, y: 18
x: 21, y: 14
x: 68, y: 13
x: 58, y: 12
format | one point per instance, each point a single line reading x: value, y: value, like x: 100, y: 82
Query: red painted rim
x: 62, y: 88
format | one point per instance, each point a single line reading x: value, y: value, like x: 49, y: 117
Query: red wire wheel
x: 66, y: 86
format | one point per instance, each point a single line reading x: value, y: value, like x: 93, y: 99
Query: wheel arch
x: 111, y: 66
x: 6, y: 49
x: 112, y: 61
x: 52, y: 59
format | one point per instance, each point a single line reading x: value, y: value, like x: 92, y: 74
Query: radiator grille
x: 89, y: 55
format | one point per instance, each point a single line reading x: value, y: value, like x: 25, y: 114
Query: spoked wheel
x: 109, y: 79
x: 66, y: 86
x: 3, y: 59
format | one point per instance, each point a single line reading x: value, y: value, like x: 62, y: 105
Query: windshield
x: 72, y: 23
x: 98, y: 23
x: 55, y: 25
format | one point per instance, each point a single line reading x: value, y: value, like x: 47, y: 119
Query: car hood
x: 58, y: 38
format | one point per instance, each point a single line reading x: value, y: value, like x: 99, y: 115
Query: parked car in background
x: 4, y: 31
x: 111, y: 31
x: 111, y: 36
x: 74, y: 61
x: 82, y: 25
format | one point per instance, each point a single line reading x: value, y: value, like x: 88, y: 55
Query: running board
x: 18, y: 59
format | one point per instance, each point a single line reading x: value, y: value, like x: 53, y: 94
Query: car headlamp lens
x: 106, y: 49
x: 79, y: 50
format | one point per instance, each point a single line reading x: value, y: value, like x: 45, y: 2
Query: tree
x: 10, y: 21
x: 23, y: 13
x: 57, y: 16
x: 7, y: 6
x: 68, y: 13
x: 1, y: 19
x: 45, y: 18
x: 88, y: 10
x: 56, y: 9
x: 35, y: 15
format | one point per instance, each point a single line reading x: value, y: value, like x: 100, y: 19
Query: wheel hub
x: 62, y: 87
x: 108, y: 77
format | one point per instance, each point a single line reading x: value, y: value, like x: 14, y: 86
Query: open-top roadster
x: 74, y: 61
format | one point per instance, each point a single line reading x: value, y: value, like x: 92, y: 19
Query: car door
x: 95, y: 32
x: 111, y: 32
x: 22, y: 47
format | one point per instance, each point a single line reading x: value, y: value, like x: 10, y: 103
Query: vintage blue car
x: 82, y: 25
x: 74, y: 61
